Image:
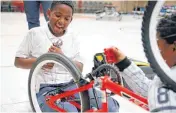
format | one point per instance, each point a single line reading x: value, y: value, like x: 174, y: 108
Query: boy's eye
x: 67, y: 19
x: 57, y: 15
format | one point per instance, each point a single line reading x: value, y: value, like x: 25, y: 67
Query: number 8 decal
x: 162, y: 95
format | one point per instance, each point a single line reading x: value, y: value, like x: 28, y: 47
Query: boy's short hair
x: 167, y: 28
x: 66, y: 2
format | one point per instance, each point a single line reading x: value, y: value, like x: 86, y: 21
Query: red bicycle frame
x: 105, y: 83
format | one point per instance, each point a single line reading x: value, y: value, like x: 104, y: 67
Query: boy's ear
x: 48, y: 13
x: 174, y: 48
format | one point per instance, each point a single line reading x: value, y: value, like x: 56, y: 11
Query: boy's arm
x: 24, y: 63
x: 23, y: 53
x: 134, y: 77
x: 132, y: 74
x: 79, y: 65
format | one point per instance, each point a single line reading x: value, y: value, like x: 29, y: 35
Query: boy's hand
x: 119, y: 55
x: 55, y: 49
x: 48, y: 66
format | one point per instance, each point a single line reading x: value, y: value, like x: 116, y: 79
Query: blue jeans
x: 32, y: 10
x: 113, y: 105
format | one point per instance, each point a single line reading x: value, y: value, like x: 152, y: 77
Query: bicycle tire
x: 85, y: 103
x: 147, y: 45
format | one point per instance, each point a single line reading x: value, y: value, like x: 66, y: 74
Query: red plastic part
x: 110, y: 55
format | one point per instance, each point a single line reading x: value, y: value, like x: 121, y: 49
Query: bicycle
x: 83, y: 85
x: 103, y: 80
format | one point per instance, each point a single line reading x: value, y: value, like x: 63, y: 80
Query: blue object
x: 32, y: 10
x: 142, y: 9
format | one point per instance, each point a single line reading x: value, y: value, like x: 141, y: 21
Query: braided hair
x: 167, y: 28
x: 66, y: 2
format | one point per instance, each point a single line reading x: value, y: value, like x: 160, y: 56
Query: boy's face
x: 59, y: 18
x: 167, y: 52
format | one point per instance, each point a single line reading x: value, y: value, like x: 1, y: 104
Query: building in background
x: 123, y: 6
x: 89, y: 6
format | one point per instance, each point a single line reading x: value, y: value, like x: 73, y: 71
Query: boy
x: 161, y: 98
x: 40, y: 40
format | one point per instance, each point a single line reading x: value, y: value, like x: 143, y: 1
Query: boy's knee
x: 113, y: 105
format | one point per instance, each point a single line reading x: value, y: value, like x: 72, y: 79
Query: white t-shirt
x: 38, y: 41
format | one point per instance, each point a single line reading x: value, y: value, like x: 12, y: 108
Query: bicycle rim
x: 34, y: 78
x: 149, y: 24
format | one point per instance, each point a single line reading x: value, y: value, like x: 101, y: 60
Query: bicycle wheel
x: 149, y: 39
x: 40, y: 75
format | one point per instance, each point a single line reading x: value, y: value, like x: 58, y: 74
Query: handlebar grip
x: 110, y: 55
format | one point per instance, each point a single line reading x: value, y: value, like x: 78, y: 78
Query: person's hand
x: 48, y: 66
x: 118, y: 54
x: 55, y: 49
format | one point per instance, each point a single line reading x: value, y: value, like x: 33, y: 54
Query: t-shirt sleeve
x: 136, y: 79
x: 25, y: 46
